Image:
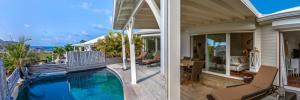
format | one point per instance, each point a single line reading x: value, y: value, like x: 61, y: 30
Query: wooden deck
x: 151, y: 85
x: 207, y: 84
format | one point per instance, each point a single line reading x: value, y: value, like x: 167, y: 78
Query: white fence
x: 84, y: 60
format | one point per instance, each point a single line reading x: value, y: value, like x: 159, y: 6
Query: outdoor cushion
x: 265, y: 77
x: 263, y: 80
x: 235, y: 93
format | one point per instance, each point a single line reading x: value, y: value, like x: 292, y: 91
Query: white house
x: 216, y: 31
x: 88, y: 45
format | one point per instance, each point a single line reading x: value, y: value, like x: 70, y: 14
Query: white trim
x: 173, y: 47
x: 150, y: 35
x: 227, y: 54
x: 292, y: 88
x: 252, y: 8
x: 222, y: 75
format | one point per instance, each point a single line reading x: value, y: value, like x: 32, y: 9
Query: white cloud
x: 84, y: 33
x: 111, y: 19
x: 86, y: 5
x: 98, y: 26
x: 89, y: 6
x: 26, y: 25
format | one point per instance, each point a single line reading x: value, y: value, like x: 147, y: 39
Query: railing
x: 3, y: 83
x: 12, y: 80
x: 84, y: 60
x: 7, y: 85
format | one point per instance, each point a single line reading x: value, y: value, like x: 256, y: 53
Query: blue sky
x: 54, y: 22
x: 270, y: 6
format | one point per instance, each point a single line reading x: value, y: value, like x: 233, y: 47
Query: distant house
x: 88, y: 45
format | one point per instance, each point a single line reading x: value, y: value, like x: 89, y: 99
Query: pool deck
x: 151, y: 85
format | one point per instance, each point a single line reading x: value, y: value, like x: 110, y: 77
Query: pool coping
x: 129, y: 93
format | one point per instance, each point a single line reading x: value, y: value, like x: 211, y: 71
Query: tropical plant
x: 18, y: 55
x: 112, y: 44
x: 58, y: 52
x: 68, y: 47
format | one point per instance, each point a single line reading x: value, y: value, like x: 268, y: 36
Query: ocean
x: 43, y: 48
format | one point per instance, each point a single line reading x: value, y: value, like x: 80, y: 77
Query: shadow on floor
x: 147, y: 77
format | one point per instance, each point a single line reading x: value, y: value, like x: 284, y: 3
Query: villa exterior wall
x: 266, y: 39
x: 268, y: 45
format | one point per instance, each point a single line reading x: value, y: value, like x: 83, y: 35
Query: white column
x: 132, y: 52
x: 228, y: 54
x: 156, y: 44
x: 123, y: 51
x: 163, y: 37
x: 172, y: 22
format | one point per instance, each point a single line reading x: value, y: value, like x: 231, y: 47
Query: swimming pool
x: 101, y: 84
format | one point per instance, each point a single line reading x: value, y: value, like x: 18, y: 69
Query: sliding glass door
x: 216, y: 53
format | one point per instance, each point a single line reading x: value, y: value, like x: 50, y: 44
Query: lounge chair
x: 258, y: 88
x: 156, y: 59
x: 140, y: 57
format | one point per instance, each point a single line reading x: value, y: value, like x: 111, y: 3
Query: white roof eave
x: 90, y: 42
x: 279, y: 14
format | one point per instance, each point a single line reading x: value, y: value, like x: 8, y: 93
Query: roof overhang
x: 193, y: 13
x: 144, y: 18
x: 268, y: 18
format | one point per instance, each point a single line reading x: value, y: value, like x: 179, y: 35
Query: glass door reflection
x: 216, y: 53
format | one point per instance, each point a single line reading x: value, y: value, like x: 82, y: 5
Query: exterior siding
x: 268, y: 46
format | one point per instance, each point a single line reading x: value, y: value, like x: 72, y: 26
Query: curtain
x: 283, y: 63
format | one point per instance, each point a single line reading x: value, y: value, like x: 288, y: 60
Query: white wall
x: 185, y: 45
x: 269, y: 49
x: 268, y: 45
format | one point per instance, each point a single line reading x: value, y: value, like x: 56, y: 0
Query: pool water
x: 99, y: 84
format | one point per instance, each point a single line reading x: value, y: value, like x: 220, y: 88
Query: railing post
x: 3, y: 83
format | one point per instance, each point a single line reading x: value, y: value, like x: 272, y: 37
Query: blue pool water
x: 99, y: 84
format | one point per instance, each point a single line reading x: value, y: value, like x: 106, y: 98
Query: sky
x: 271, y: 6
x: 54, y: 22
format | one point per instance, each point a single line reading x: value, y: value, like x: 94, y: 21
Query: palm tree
x: 112, y: 44
x: 18, y: 55
x: 68, y: 48
x: 58, y: 52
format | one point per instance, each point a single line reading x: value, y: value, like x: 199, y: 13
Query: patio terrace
x: 151, y: 85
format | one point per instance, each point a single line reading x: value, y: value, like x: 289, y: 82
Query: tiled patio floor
x: 151, y: 85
